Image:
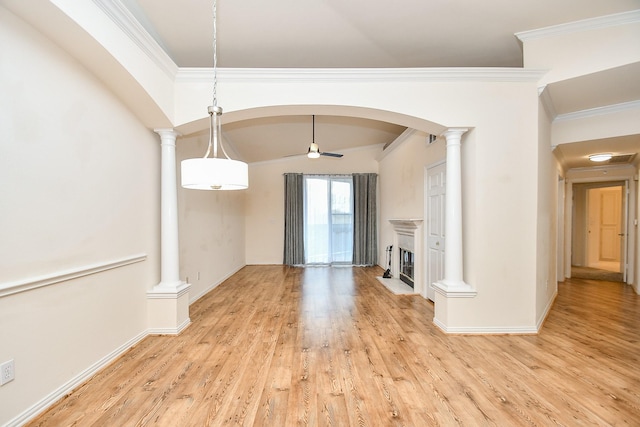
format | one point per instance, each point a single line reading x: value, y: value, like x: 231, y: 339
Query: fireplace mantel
x: 411, y: 223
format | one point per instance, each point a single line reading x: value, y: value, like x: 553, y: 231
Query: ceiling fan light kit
x: 314, y: 151
x: 214, y: 173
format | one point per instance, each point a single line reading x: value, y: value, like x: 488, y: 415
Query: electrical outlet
x: 7, y: 372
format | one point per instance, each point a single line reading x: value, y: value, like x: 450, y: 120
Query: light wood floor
x: 282, y: 346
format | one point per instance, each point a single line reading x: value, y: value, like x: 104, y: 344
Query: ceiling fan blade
x: 331, y: 154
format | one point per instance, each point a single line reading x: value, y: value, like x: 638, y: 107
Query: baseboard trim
x: 170, y: 331
x: 73, y: 383
x: 492, y: 330
x: 215, y: 285
x: 547, y: 310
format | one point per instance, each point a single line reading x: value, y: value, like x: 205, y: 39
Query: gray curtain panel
x: 293, y: 219
x: 365, y: 234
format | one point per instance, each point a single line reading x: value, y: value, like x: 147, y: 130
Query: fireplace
x: 406, y: 266
x: 406, y: 261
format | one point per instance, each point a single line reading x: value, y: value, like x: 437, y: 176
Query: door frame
x: 603, y: 175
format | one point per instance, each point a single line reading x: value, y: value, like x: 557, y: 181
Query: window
x: 328, y: 219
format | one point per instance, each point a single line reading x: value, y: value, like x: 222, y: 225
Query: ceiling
x: 373, y: 34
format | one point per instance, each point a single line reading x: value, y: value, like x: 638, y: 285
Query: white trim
x: 434, y: 164
x: 626, y: 171
x: 205, y: 75
x: 463, y: 291
x: 547, y: 310
x: 74, y: 382
x: 547, y: 102
x: 492, y: 330
x: 168, y: 292
x: 598, y: 111
x: 122, y: 17
x: 408, y: 133
x: 170, y: 331
x: 599, y: 22
x: 10, y: 288
x: 195, y: 298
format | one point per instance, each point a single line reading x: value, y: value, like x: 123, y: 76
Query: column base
x: 168, y: 308
x: 451, y: 303
x: 454, y: 289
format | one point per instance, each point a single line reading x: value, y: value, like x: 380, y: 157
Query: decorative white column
x: 168, y: 300
x: 453, y: 285
x: 169, y: 245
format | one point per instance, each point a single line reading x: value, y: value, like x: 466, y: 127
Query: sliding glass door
x: 328, y: 211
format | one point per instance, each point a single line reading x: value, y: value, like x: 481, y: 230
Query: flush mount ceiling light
x: 602, y: 157
x: 214, y: 173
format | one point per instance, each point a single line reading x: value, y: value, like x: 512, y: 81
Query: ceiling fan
x: 314, y: 151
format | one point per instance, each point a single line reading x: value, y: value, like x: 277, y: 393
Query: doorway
x: 599, y: 236
x: 328, y: 219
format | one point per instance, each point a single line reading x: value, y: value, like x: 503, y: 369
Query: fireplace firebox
x: 406, y: 266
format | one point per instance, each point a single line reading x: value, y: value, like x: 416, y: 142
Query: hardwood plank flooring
x: 281, y: 346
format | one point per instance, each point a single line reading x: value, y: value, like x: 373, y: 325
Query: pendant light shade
x: 214, y: 173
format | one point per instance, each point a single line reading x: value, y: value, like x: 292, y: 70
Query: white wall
x: 499, y: 163
x: 500, y: 183
x: 265, y: 197
x: 78, y: 189
x: 595, y: 45
x: 549, y: 171
x: 211, y: 228
x: 401, y: 181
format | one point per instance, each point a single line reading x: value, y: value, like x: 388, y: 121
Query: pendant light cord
x: 215, y: 129
x: 215, y: 55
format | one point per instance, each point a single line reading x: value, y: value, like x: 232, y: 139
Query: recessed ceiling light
x: 603, y: 157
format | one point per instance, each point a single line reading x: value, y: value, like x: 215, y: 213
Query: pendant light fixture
x: 214, y: 173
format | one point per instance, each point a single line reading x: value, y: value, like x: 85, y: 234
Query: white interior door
x: 610, y: 224
x: 434, y: 233
x: 605, y: 224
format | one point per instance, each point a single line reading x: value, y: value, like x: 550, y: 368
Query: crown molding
x: 120, y: 15
x: 607, y: 21
x: 598, y: 111
x: 547, y: 102
x: 478, y: 74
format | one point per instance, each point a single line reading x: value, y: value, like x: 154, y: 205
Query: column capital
x: 454, y: 133
x: 167, y: 133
